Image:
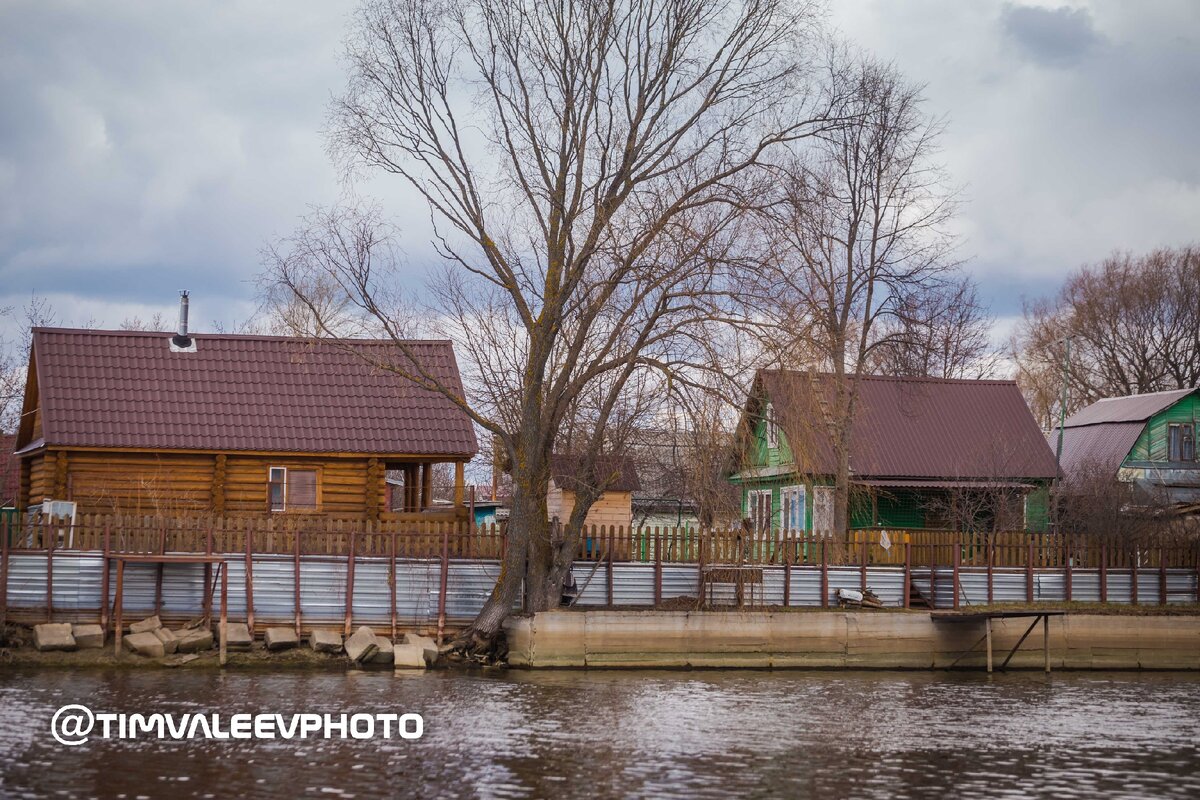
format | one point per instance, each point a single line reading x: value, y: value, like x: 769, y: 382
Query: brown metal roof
x: 1096, y: 447
x: 127, y: 389
x: 913, y: 427
x: 617, y: 473
x: 1134, y: 408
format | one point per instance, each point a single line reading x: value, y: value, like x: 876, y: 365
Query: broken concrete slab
x: 53, y: 636
x: 169, y: 639
x: 88, y: 637
x: 146, y: 625
x: 284, y: 638
x: 361, y: 645
x: 408, y: 656
x: 428, y: 646
x: 144, y: 644
x: 383, y: 653
x: 326, y: 641
x: 195, y: 641
x: 238, y: 636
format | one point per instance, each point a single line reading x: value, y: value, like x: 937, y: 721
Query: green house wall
x: 891, y: 508
x: 1151, y: 446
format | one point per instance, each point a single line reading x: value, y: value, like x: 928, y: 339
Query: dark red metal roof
x: 913, y: 427
x: 129, y: 390
x: 617, y: 473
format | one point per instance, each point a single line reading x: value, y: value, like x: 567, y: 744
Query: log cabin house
x: 160, y: 424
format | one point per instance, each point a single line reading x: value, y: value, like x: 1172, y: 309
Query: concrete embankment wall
x: 833, y: 639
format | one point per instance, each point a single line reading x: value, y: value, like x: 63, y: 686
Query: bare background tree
x: 586, y: 166
x: 1134, y: 323
x: 862, y: 254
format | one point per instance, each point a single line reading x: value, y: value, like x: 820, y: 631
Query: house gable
x: 1152, y: 445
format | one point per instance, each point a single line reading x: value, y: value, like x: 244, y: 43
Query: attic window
x: 772, y: 427
x: 1181, y: 442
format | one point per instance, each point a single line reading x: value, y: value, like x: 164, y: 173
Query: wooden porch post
x: 426, y: 485
x: 458, y: 484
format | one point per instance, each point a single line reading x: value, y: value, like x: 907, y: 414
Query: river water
x: 625, y: 734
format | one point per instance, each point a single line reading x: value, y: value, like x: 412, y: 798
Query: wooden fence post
x: 955, y: 581
x: 296, y: 577
x: 224, y: 610
x: 1133, y: 578
x: 392, y: 579
x: 4, y: 572
x: 863, y: 566
x: 824, y: 574
x: 118, y: 622
x: 1029, y: 572
x: 249, y: 576
x: 1162, y: 576
x: 445, y: 577
x: 609, y: 571
x: 991, y: 551
x: 907, y: 574
x: 1103, y: 573
x: 349, y: 604
x: 104, y: 583
x: 658, y: 567
x: 787, y: 572
x: 1067, y: 567
x: 49, y: 540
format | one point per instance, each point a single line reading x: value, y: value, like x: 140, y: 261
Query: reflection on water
x: 614, y: 734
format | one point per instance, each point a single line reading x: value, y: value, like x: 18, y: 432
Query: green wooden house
x: 1148, y: 440
x: 924, y: 453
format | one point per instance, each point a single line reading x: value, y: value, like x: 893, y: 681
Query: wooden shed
x: 616, y: 474
x: 129, y: 422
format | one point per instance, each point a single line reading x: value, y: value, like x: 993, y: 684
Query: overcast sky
x: 147, y: 147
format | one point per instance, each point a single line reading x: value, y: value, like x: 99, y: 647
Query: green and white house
x: 1148, y: 440
x: 923, y: 452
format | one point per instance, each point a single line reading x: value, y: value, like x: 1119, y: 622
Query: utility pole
x: 1062, y: 411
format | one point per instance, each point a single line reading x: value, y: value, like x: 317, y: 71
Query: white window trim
x: 283, y: 484
x: 787, y: 493
x: 752, y: 496
x: 772, y: 428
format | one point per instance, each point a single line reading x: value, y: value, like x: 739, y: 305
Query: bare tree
x: 860, y: 233
x: 586, y: 166
x: 940, y: 331
x: 14, y: 357
x: 1133, y: 324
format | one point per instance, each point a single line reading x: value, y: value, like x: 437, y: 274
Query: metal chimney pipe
x: 183, y: 313
x: 181, y: 342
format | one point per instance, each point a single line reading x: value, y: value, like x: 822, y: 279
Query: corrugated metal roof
x: 1134, y: 408
x: 127, y: 389
x: 907, y: 483
x: 1096, y: 447
x: 914, y: 427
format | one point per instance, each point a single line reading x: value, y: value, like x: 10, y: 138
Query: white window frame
x: 772, y: 428
x: 754, y: 510
x: 830, y: 493
x: 789, y: 495
x: 283, y: 485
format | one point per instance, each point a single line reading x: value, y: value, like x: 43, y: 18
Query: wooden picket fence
x: 406, y: 538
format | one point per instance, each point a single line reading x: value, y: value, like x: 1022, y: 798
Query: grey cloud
x: 1054, y: 37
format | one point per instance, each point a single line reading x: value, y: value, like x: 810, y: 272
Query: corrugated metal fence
x: 75, y: 590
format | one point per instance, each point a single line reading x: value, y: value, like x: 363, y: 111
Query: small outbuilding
x: 616, y: 474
